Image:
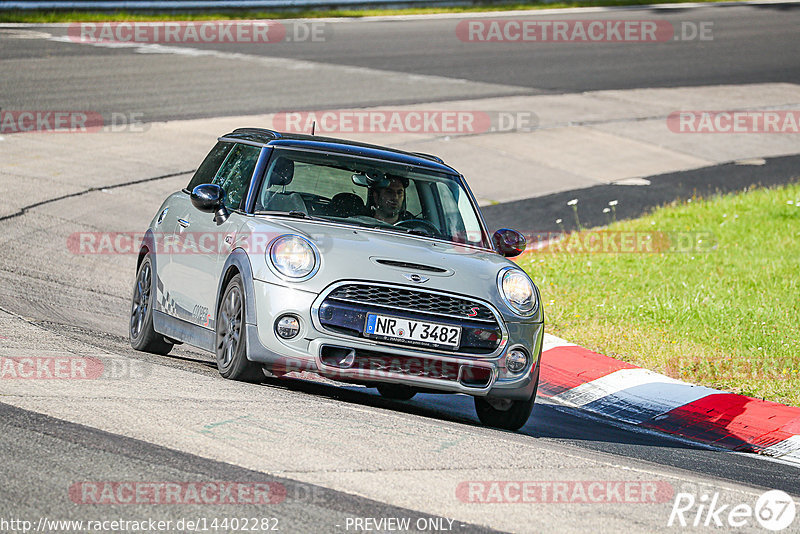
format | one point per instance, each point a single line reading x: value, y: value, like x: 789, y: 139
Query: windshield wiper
x: 393, y: 228
x: 297, y: 214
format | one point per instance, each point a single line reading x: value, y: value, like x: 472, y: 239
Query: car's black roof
x: 343, y: 146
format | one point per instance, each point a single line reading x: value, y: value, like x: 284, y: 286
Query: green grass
x: 726, y: 315
x: 87, y: 16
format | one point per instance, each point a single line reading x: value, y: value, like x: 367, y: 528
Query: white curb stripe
x: 788, y: 449
x: 633, y: 395
x: 638, y: 395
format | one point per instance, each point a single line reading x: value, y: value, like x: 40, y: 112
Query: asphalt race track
x: 751, y: 44
x: 332, y: 456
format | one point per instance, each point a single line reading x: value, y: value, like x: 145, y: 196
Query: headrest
x: 281, y: 171
x: 346, y: 205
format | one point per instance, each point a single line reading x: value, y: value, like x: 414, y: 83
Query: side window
x: 453, y: 222
x: 455, y: 204
x: 208, y: 169
x: 235, y: 174
x: 472, y: 226
x: 412, y: 199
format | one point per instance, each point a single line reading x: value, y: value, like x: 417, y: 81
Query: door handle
x: 183, y: 222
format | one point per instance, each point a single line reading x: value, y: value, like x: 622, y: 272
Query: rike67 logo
x: 774, y: 510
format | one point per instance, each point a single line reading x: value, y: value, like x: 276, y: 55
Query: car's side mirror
x: 509, y: 242
x: 210, y: 198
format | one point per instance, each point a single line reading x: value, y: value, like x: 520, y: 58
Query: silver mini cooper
x: 360, y: 263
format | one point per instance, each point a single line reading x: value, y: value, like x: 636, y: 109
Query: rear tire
x: 142, y: 335
x: 505, y: 413
x: 231, y: 341
x: 396, y: 392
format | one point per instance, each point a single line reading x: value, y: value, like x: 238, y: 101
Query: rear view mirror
x: 371, y: 178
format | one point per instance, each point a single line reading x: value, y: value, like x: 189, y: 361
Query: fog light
x: 516, y: 361
x: 287, y: 326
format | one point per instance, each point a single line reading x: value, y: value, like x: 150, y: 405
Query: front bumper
x: 372, y: 362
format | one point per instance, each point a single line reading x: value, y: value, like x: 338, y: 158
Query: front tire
x: 505, y: 413
x: 142, y: 335
x: 231, y: 341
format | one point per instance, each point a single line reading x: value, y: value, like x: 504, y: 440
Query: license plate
x: 412, y: 331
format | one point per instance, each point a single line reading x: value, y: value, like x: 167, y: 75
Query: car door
x: 201, y: 240
x: 170, y: 296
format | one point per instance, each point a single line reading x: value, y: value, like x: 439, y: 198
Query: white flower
x: 613, y: 203
x: 606, y: 210
x: 558, y: 221
x: 789, y: 202
x: 572, y: 202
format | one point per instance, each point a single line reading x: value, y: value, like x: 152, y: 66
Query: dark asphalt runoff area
x: 751, y: 44
x: 539, y: 214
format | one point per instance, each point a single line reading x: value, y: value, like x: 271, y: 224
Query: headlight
x: 517, y: 290
x: 293, y: 257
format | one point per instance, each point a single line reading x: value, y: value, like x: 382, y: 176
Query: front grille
x: 415, y: 301
x: 346, y: 308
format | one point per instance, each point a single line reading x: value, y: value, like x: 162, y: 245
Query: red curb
x: 570, y: 366
x: 731, y: 421
x: 725, y: 420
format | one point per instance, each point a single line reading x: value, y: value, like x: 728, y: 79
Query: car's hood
x: 352, y: 253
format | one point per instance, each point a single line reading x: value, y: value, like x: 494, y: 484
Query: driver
x: 388, y: 203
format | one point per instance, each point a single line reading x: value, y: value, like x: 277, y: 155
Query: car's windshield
x: 370, y: 193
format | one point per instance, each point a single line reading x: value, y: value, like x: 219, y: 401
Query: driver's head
x: 388, y: 201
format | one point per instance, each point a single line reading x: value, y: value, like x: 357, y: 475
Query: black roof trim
x: 437, y: 159
x: 266, y: 137
x: 260, y: 135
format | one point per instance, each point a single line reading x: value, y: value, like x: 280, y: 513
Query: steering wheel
x: 420, y: 224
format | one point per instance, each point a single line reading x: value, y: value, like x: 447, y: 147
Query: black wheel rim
x: 229, y: 329
x: 141, y: 300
